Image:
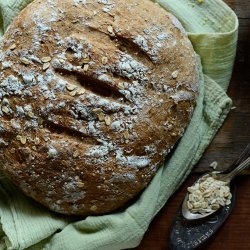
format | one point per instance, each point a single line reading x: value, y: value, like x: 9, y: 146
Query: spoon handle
x: 243, y: 156
x: 237, y: 170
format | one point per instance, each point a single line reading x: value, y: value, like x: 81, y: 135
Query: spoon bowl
x: 242, y: 163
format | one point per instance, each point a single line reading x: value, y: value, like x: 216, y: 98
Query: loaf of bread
x: 94, y: 95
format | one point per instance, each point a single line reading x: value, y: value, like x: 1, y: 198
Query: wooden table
x: 226, y: 146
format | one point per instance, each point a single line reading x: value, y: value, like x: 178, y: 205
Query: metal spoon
x: 242, y: 163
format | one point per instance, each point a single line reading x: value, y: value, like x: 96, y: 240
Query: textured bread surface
x: 94, y: 95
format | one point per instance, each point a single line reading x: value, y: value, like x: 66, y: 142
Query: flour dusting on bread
x: 94, y: 95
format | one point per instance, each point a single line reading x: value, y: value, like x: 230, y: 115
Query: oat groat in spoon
x: 212, y: 191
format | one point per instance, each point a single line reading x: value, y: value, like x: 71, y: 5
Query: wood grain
x: 226, y: 146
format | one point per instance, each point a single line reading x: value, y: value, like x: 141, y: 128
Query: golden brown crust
x: 94, y: 94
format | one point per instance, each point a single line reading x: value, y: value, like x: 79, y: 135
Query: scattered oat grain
x: 40, y: 120
x: 73, y: 93
x: 121, y: 85
x: 110, y: 29
x: 71, y: 87
x: 37, y: 141
x: 5, y: 109
x: 93, y: 208
x: 104, y: 60
x: 12, y: 151
x: 25, y: 61
x: 86, y: 60
x: 175, y: 74
x: 46, y: 66
x: 46, y: 96
x: 46, y: 59
x: 85, y: 67
x: 80, y: 184
x: 80, y: 91
x: 214, y: 165
x: 107, y: 120
x: 30, y: 114
x: 23, y: 139
x: 12, y: 47
x: 126, y: 135
x: 97, y: 110
x: 101, y: 117
x: 76, y: 154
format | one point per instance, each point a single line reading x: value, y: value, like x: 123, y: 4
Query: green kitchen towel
x: 212, y: 28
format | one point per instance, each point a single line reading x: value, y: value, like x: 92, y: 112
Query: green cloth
x: 212, y: 28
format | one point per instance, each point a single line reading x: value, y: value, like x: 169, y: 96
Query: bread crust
x: 94, y: 95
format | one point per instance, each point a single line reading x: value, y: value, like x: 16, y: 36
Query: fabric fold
x: 213, y: 30
x: 23, y: 219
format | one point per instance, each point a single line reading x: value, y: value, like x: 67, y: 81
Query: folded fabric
x: 212, y: 28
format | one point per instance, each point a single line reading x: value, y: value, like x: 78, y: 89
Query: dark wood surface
x: 226, y: 146
x: 235, y: 133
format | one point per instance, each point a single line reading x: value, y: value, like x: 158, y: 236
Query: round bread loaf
x: 94, y: 95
